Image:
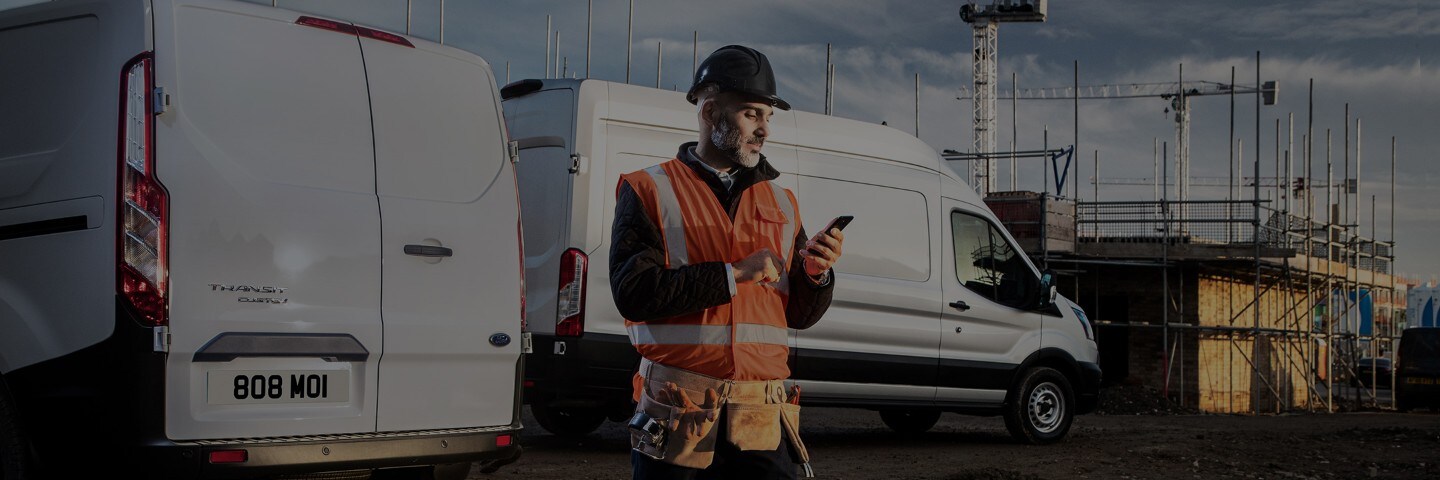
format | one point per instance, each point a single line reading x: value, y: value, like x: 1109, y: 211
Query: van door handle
x: 960, y: 305
x: 429, y: 251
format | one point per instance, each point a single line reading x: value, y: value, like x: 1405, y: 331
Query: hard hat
x: 739, y: 69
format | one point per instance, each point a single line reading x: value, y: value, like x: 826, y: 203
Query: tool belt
x: 675, y: 420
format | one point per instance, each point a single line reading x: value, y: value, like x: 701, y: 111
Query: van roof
x: 813, y: 131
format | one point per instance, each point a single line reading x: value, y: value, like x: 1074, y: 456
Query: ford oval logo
x: 499, y: 339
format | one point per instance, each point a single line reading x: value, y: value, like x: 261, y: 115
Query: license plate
x: 1420, y: 381
x: 236, y: 387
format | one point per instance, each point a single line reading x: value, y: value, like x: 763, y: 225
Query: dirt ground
x: 854, y: 444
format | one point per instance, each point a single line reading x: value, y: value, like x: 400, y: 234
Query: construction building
x: 1227, y: 306
x: 1423, y: 303
x: 1235, y: 305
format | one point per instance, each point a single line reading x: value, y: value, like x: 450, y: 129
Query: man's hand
x: 822, y: 251
x: 763, y: 266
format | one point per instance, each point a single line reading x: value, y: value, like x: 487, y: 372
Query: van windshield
x: 1420, y: 343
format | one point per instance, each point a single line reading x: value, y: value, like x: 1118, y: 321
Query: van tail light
x: 331, y: 25
x: 349, y: 29
x: 229, y: 456
x: 570, y: 314
x: 383, y: 36
x: 142, y: 234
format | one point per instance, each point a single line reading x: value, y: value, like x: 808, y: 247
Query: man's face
x: 740, y: 129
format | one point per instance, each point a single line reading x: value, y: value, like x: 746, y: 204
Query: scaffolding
x: 1292, y: 291
x: 1251, y: 304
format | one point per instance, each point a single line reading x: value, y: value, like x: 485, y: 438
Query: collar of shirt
x: 726, y: 179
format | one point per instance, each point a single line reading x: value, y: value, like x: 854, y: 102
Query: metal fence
x: 1219, y: 222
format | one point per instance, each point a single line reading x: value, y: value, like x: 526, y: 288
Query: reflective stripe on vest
x: 665, y: 334
x: 787, y: 244
x: 672, y: 219
x: 756, y: 333
x: 783, y: 201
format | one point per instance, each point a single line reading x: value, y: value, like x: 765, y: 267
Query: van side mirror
x: 1048, y: 278
x: 1046, y: 294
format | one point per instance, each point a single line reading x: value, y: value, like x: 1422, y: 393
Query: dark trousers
x: 730, y: 462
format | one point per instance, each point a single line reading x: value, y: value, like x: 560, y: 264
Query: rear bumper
x: 1418, y: 390
x: 1087, y: 393
x: 593, y: 371
x: 99, y: 412
x: 324, y: 453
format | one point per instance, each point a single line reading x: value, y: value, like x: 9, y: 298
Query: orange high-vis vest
x: 746, y: 339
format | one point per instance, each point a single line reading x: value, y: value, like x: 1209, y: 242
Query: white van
x: 242, y: 241
x: 934, y: 307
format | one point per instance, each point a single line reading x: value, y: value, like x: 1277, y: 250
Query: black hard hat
x: 739, y: 69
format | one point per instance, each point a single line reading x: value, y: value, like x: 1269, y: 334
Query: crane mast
x: 986, y: 25
x: 982, y: 171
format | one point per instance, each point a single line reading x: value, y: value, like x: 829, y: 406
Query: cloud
x: 1326, y: 21
x: 1334, y: 21
x: 1056, y: 33
x: 1374, y: 55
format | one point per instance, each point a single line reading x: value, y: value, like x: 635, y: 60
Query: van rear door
x: 451, y: 241
x: 265, y: 147
x: 543, y: 125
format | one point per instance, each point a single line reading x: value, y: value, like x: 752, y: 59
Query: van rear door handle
x: 960, y: 305
x: 429, y: 251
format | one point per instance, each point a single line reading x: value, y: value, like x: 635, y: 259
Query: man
x: 709, y: 265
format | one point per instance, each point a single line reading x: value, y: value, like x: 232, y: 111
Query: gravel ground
x: 854, y: 444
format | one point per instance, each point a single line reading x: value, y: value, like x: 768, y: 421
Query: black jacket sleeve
x: 644, y: 289
x: 808, y: 301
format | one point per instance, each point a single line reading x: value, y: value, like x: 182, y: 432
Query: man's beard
x: 729, y: 141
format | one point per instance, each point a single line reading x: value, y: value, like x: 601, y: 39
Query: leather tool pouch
x: 790, y: 418
x: 752, y: 426
x: 689, y: 434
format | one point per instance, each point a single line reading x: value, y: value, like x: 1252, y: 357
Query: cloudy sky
x: 1378, y: 56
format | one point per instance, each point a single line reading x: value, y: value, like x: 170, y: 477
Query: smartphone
x: 839, y: 223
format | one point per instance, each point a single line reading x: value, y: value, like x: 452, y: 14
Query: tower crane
x: 986, y: 21
x: 1178, y: 93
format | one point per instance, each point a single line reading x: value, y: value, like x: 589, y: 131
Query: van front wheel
x: 1041, y: 407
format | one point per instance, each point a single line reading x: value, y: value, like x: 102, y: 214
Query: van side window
x: 987, y: 264
x: 891, y: 234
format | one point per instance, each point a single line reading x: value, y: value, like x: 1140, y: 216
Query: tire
x: 452, y: 471
x: 1041, y: 407
x: 910, y: 422
x: 568, y: 421
x: 14, y: 447
x: 1402, y: 400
